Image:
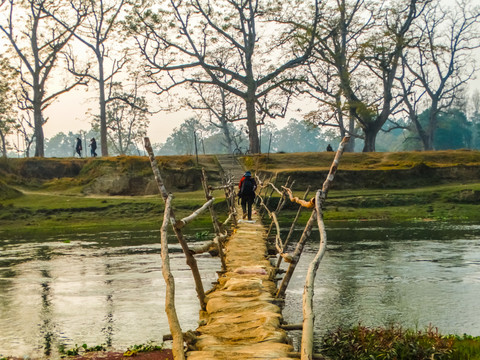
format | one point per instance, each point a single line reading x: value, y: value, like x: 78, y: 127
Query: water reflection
x: 411, y: 276
x: 108, y: 288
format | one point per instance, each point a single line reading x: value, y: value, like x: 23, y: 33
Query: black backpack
x: 248, y: 187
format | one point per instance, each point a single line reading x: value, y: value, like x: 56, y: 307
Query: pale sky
x: 72, y: 112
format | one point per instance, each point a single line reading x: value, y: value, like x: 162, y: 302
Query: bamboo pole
x: 191, y: 262
x: 208, y: 196
x: 296, y: 256
x: 174, y: 324
x: 308, y: 292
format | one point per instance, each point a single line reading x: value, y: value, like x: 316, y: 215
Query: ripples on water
x: 108, y: 288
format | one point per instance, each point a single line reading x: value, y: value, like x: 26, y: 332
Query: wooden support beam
x: 181, y: 223
x: 173, y: 322
x: 308, y: 292
x: 191, y: 262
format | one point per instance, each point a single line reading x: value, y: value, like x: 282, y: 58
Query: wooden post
x: 311, y: 221
x: 174, y: 324
x: 292, y: 228
x: 308, y: 292
x: 281, y: 203
x: 191, y: 262
x: 216, y: 225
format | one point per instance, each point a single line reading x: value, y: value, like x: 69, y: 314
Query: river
x: 108, y: 288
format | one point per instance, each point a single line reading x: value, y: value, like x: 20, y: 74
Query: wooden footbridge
x: 240, y: 316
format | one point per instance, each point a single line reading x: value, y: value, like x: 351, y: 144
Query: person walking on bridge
x: 247, y: 187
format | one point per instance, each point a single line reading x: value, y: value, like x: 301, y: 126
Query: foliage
x: 183, y: 139
x: 396, y: 343
x: 201, y: 235
x: 69, y: 352
x: 135, y: 349
x: 453, y: 130
x: 298, y: 136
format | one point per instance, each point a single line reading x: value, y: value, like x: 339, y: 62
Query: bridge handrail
x: 316, y: 216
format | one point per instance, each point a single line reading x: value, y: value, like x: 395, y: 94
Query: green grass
x: 42, y: 213
x: 454, y: 202
x: 362, y: 161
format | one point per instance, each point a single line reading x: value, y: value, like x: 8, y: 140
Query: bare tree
x: 100, y: 25
x: 343, y: 26
x: 37, y: 42
x: 236, y: 45
x: 7, y: 99
x: 126, y: 114
x: 440, y: 63
x: 381, y: 56
x: 222, y: 110
x: 25, y: 127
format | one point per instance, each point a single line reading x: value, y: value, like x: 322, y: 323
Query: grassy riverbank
x: 51, y: 213
x: 37, y: 213
x: 57, y: 196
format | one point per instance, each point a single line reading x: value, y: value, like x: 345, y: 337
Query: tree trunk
x: 350, y: 146
x: 170, y: 310
x: 39, y: 137
x: 432, y: 125
x: 370, y: 138
x: 4, y: 145
x: 252, y: 127
x: 228, y: 137
x: 103, y: 107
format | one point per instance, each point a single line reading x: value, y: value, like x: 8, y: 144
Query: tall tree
x: 95, y: 33
x: 127, y: 122
x: 238, y: 45
x: 7, y: 100
x: 440, y: 63
x: 343, y: 26
x: 381, y: 56
x: 358, y: 54
x: 220, y: 108
x: 37, y: 41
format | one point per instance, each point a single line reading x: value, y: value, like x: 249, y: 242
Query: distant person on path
x: 329, y: 148
x: 78, y: 147
x: 93, y: 147
x: 247, y: 187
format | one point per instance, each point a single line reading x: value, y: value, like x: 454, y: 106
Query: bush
x: 395, y: 343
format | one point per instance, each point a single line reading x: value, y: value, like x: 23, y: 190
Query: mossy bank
x: 45, y: 196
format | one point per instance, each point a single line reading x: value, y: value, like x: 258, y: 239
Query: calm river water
x: 108, y: 288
